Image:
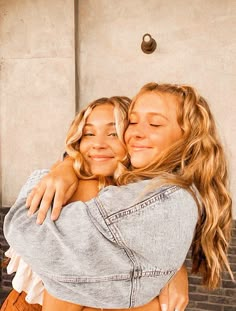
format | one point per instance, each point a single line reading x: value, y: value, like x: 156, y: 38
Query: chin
x: 104, y: 173
x: 137, y: 164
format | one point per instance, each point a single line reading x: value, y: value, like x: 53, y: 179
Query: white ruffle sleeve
x: 25, y: 279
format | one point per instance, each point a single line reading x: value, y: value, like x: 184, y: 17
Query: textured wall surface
x: 196, y: 44
x: 36, y: 86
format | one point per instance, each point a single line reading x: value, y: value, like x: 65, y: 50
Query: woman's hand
x: 55, y: 188
x: 174, y: 296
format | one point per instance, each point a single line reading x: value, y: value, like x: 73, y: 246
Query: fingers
x: 177, y: 303
x: 34, y: 198
x: 42, y: 197
x: 45, y: 204
x: 55, y: 188
x: 61, y: 198
x: 163, y: 298
x: 30, y: 198
x: 57, y: 204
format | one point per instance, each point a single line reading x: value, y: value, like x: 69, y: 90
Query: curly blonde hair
x: 121, y: 106
x: 196, y: 159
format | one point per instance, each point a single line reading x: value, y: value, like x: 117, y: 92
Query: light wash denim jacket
x: 116, y: 251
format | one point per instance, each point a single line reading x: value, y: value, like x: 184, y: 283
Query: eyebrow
x: 107, y: 124
x: 152, y: 114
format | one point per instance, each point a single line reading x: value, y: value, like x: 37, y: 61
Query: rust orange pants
x: 16, y: 302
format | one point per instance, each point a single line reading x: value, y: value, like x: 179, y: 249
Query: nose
x: 99, y: 143
x: 137, y: 131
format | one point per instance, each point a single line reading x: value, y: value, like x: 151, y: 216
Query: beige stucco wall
x: 36, y: 86
x: 196, y: 44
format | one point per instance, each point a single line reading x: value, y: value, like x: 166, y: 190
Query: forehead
x: 101, y: 114
x: 154, y: 102
x: 102, y: 110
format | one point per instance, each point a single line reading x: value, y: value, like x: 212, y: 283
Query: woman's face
x: 99, y: 144
x: 153, y: 127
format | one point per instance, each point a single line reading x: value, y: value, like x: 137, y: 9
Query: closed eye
x: 155, y: 125
x: 88, y: 134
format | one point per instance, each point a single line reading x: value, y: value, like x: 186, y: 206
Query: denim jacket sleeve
x: 115, y: 251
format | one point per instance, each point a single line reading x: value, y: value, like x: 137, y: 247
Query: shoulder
x: 146, y: 194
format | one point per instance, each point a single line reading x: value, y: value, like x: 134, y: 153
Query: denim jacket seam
x: 138, y: 274
x: 154, y: 198
x: 134, y: 262
x: 103, y: 213
x: 117, y: 237
x: 110, y: 221
x: 130, y: 255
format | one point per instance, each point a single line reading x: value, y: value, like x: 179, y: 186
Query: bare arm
x: 87, y: 189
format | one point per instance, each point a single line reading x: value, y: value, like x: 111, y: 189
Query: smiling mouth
x: 101, y: 158
x: 140, y: 148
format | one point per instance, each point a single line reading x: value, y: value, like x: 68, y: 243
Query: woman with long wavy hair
x: 196, y: 159
x: 176, y: 189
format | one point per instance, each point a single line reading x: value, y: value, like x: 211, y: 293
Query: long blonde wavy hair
x: 121, y: 106
x: 196, y: 159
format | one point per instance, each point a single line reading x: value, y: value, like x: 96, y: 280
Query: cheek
x: 120, y: 152
x: 127, y: 135
x: 83, y: 147
x: 174, y: 136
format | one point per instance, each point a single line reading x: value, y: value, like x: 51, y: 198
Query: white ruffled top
x: 25, y: 279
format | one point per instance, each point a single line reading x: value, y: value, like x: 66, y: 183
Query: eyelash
x: 154, y: 125
x: 91, y: 134
x: 88, y: 134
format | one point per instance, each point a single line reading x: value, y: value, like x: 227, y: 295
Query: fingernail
x: 164, y: 307
x: 29, y: 213
x: 38, y: 222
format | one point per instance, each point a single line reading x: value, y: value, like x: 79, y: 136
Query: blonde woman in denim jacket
x: 147, y: 225
x: 98, y: 117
